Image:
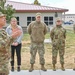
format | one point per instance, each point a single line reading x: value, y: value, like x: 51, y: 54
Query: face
x: 38, y: 18
x: 59, y: 22
x: 2, y: 20
x: 13, y: 22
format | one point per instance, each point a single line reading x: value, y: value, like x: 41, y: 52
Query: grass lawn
x: 69, y: 53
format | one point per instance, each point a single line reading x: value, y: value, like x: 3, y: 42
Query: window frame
x: 32, y: 19
x: 49, y: 20
x: 18, y: 20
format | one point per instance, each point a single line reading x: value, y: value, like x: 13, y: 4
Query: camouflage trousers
x: 74, y: 29
x: 4, y: 70
x: 3, y: 74
x: 55, y: 51
x: 37, y: 47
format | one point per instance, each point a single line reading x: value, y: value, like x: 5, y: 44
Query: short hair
x: 14, y: 18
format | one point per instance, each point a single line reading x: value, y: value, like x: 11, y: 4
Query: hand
x: 16, y: 32
x: 15, y: 43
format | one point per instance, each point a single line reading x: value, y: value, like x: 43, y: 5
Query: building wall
x: 69, y: 17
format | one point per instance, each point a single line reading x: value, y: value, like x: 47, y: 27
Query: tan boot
x: 43, y: 68
x: 2, y: 74
x: 31, y: 68
x: 62, y: 67
x: 54, y: 68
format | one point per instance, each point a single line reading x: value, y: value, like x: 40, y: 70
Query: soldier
x: 74, y: 28
x: 5, y: 41
x: 37, y: 31
x: 58, y: 35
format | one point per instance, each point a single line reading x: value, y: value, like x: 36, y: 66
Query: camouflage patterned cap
x: 58, y: 19
x: 1, y: 14
x: 38, y: 14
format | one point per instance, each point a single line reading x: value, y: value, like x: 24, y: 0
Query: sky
x: 67, y: 4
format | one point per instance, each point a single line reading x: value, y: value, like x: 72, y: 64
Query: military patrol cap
x: 38, y: 14
x: 1, y: 14
x: 58, y: 19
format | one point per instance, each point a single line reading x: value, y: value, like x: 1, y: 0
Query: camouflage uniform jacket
x: 5, y: 42
x: 58, y: 35
x: 74, y: 28
x: 37, y: 31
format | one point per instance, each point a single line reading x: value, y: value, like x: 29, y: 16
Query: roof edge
x: 39, y: 5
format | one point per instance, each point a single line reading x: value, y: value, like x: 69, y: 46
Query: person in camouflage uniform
x: 37, y: 31
x: 5, y: 41
x: 74, y: 32
x: 58, y: 35
x: 74, y: 28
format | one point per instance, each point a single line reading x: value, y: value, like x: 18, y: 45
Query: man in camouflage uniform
x: 74, y: 32
x: 74, y: 28
x: 5, y: 41
x: 37, y: 31
x: 58, y: 35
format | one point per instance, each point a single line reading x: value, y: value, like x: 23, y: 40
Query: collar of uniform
x: 59, y: 26
x: 38, y: 22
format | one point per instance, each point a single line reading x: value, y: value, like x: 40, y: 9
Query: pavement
x: 40, y: 72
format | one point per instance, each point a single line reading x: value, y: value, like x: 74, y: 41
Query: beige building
x: 25, y: 13
x: 69, y: 18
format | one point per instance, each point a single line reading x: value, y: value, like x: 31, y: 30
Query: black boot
x: 18, y: 69
x: 12, y: 68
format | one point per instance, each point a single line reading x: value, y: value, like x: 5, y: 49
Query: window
x: 48, y: 20
x: 30, y: 19
x: 17, y: 20
x: 33, y: 18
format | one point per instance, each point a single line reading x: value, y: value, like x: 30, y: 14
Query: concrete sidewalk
x: 40, y: 72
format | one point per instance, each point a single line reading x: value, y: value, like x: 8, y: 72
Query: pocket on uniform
x: 54, y: 44
x: 30, y: 49
x: 63, y: 43
x: 56, y: 36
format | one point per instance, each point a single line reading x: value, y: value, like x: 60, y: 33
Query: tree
x: 2, y: 9
x: 8, y: 10
x: 36, y: 2
x: 2, y: 2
